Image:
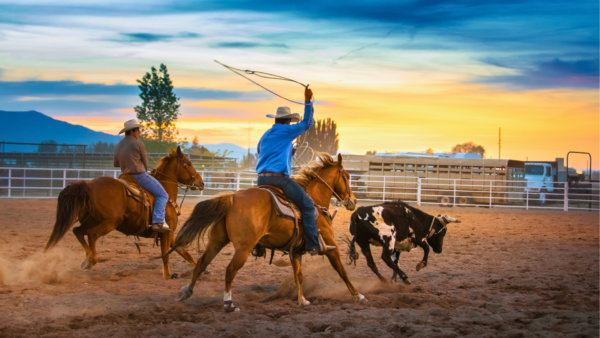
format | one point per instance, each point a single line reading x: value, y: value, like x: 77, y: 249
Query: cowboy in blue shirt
x: 274, y: 166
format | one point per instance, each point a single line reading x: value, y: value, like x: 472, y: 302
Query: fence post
x: 383, y: 199
x: 526, y: 199
x: 454, y: 199
x: 9, y: 181
x: 419, y: 191
x: 491, y: 182
x: 115, y: 174
x: 24, y: 179
x: 566, y: 198
x: 202, y: 176
x: 64, y: 178
x: 237, y: 187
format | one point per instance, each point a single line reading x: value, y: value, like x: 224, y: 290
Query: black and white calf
x: 397, y: 227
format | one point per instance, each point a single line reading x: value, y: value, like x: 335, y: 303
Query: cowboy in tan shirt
x: 131, y: 156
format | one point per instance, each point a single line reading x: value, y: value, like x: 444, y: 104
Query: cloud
x: 149, y: 37
x: 243, y: 45
x: 577, y: 74
x: 72, y: 98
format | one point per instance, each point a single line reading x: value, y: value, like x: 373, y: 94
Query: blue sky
x: 81, y: 59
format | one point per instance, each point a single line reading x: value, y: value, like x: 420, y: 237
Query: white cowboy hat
x: 131, y: 124
x: 285, y: 113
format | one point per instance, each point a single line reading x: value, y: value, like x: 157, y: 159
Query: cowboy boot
x: 161, y: 227
x: 323, y: 247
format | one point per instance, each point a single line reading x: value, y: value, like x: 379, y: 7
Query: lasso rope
x: 265, y: 76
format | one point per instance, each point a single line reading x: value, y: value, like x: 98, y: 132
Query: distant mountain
x: 233, y: 150
x: 35, y: 127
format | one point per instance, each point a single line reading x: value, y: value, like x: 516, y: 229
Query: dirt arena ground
x: 507, y: 273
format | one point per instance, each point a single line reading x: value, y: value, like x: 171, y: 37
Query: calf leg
x: 396, y: 256
x: 386, y: 255
x: 425, y: 247
x: 365, y: 247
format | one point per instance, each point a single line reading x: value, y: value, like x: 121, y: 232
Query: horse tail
x: 74, y: 197
x: 205, y: 215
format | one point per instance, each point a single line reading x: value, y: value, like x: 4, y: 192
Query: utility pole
x: 499, y: 142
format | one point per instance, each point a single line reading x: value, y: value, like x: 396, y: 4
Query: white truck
x: 540, y: 179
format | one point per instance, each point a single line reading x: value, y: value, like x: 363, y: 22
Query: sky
x: 395, y: 75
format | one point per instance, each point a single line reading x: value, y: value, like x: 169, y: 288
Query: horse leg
x: 237, y: 262
x: 365, y: 247
x: 296, y: 265
x: 94, y: 234
x: 386, y: 255
x: 80, y: 233
x: 335, y: 259
x: 212, y: 249
x: 425, y: 248
x: 165, y: 245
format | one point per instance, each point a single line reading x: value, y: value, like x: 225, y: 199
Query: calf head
x: 438, y: 231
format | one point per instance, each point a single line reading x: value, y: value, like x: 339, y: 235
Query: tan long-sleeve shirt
x: 130, y: 155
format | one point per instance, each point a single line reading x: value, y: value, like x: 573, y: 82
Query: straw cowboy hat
x: 131, y: 124
x: 285, y: 113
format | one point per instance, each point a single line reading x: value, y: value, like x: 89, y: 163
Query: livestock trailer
x: 443, y: 180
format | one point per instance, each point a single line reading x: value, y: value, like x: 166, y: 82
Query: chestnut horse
x: 246, y: 218
x: 102, y: 205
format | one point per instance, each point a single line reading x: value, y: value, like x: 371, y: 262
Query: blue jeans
x: 300, y: 198
x: 151, y: 184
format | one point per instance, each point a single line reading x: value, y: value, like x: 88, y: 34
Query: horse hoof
x: 361, y: 298
x: 304, y: 302
x: 420, y: 266
x: 184, y: 293
x: 407, y: 281
x: 85, y: 265
x: 206, y: 272
x: 229, y: 307
x: 174, y: 276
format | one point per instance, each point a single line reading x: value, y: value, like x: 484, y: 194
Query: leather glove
x: 308, y: 94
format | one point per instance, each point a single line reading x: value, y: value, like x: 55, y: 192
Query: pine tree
x: 160, y: 106
x: 322, y: 137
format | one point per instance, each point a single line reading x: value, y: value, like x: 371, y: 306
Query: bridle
x: 341, y: 172
x: 191, y: 183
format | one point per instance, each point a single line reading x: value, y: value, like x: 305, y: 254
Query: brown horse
x: 246, y: 218
x: 102, y: 205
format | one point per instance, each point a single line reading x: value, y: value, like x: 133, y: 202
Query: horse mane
x: 306, y: 175
x: 162, y: 162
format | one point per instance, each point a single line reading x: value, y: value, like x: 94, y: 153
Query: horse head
x: 185, y: 172
x: 342, y: 186
x: 438, y: 232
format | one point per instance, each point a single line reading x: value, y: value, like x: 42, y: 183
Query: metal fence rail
x: 48, y: 182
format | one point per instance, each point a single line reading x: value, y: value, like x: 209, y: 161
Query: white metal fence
x: 48, y: 182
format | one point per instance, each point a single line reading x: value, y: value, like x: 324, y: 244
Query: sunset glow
x: 392, y: 82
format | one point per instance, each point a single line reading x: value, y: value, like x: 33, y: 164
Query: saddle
x: 283, y: 206
x: 135, y: 191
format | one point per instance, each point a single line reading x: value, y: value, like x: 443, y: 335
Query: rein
x: 347, y: 200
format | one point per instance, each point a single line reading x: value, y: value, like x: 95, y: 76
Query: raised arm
x: 307, y: 122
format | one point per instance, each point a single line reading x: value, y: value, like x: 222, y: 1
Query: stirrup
x: 323, y: 247
x: 161, y: 227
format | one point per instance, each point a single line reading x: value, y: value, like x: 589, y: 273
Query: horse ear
x: 179, y: 153
x: 339, y: 161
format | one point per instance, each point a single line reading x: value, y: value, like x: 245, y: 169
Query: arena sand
x: 503, y: 272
